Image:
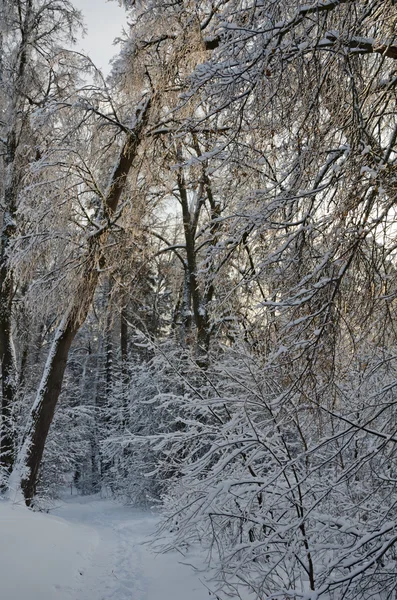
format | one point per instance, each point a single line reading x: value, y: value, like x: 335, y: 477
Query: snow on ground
x: 88, y: 549
x: 40, y: 555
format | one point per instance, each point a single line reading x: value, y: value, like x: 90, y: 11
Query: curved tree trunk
x: 27, y: 468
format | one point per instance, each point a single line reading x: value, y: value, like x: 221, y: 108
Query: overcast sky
x: 104, y: 22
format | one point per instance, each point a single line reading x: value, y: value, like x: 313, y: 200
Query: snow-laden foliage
x: 286, y: 493
x: 134, y: 467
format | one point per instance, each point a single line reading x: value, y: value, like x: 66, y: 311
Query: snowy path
x: 123, y: 567
x: 88, y: 549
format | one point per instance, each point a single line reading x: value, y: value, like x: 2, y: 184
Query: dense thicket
x: 198, y: 260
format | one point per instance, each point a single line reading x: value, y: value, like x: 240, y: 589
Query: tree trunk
x: 124, y: 342
x: 109, y: 366
x: 7, y: 356
x: 191, y: 296
x: 44, y: 407
x: 8, y: 370
x: 27, y: 468
x: 9, y: 202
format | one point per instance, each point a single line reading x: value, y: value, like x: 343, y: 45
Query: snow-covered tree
x: 33, y: 74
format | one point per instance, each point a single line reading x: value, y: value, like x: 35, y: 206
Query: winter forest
x: 198, y: 281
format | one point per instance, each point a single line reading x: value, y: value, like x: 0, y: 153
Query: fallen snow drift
x: 42, y: 557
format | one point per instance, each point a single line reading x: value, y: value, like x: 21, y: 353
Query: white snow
x: 91, y: 549
x: 41, y: 556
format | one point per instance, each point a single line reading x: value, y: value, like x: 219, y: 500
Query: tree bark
x: 191, y: 291
x: 8, y: 370
x: 7, y: 357
x: 109, y: 366
x: 124, y: 342
x: 29, y: 460
x: 193, y: 296
x: 9, y: 205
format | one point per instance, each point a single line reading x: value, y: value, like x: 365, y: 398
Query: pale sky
x: 104, y: 22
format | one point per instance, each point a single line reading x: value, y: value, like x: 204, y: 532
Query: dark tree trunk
x: 8, y: 371
x: 44, y: 408
x: 109, y: 346
x: 7, y: 358
x: 124, y: 342
x: 191, y: 294
x: 193, y: 297
x: 9, y: 201
x: 29, y: 461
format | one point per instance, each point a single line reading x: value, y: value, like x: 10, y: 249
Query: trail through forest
x: 90, y: 550
x: 198, y: 301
